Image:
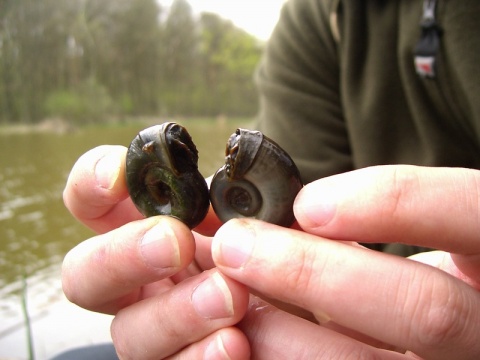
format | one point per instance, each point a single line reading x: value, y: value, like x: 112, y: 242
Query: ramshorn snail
x: 162, y: 174
x: 259, y: 180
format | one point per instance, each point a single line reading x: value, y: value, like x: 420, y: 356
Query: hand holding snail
x: 112, y: 272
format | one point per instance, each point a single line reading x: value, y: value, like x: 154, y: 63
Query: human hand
x: 148, y: 272
x: 366, y: 301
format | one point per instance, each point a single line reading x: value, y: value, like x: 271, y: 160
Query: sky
x: 257, y: 17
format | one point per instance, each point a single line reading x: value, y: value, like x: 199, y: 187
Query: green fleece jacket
x: 339, y: 88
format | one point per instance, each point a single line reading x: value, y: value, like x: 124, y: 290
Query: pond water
x: 36, y: 230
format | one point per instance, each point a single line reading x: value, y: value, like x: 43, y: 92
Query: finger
x: 465, y: 268
x: 210, y: 224
x: 394, y: 300
x: 203, y: 254
x: 430, y: 207
x: 197, y: 307
x: 96, y: 192
x: 227, y: 343
x: 276, y: 335
x: 106, y: 272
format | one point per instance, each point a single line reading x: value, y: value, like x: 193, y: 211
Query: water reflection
x: 35, y: 229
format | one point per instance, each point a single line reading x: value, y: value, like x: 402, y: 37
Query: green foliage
x: 227, y: 47
x: 64, y: 104
x: 126, y: 105
x: 89, y: 102
x: 230, y: 57
x: 85, y: 59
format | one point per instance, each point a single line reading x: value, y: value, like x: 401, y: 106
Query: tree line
x: 90, y: 60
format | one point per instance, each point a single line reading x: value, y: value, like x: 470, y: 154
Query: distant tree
x: 230, y: 56
x: 179, y: 48
x: 130, y: 59
x: 33, y: 42
x: 8, y: 71
x: 134, y: 56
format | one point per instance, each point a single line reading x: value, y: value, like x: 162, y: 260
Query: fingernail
x: 216, y: 350
x: 212, y: 298
x: 159, y: 247
x: 233, y: 244
x: 315, y: 205
x: 107, y: 170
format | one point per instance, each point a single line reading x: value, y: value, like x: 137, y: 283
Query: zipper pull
x: 426, y: 49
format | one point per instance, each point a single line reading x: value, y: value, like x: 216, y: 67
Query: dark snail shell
x: 162, y: 174
x: 259, y: 180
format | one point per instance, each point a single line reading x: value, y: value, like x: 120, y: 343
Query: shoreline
x: 61, y: 126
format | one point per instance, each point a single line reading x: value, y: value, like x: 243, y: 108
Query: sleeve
x: 298, y: 84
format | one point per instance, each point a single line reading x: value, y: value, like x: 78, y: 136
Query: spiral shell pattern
x: 162, y: 174
x: 259, y: 180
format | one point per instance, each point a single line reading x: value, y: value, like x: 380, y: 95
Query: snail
x: 259, y: 180
x: 162, y: 174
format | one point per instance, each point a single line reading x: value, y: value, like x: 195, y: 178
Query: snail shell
x: 259, y: 180
x: 162, y: 174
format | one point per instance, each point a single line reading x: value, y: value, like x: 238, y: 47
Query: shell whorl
x: 259, y: 180
x: 162, y: 174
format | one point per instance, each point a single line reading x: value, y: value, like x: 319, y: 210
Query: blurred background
x: 75, y: 74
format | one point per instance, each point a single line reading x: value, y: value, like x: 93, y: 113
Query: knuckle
x: 301, y: 277
x: 402, y: 182
x: 472, y: 191
x: 442, y: 318
x: 358, y: 353
x: 350, y: 350
x: 173, y: 330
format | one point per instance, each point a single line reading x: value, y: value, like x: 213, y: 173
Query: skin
x: 366, y: 304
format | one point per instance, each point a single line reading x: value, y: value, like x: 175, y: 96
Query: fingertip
x: 233, y: 244
x: 168, y: 243
x: 229, y: 344
x: 315, y: 205
x: 100, y: 166
x: 240, y: 295
x: 219, y: 297
x: 109, y: 169
x: 96, y: 184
